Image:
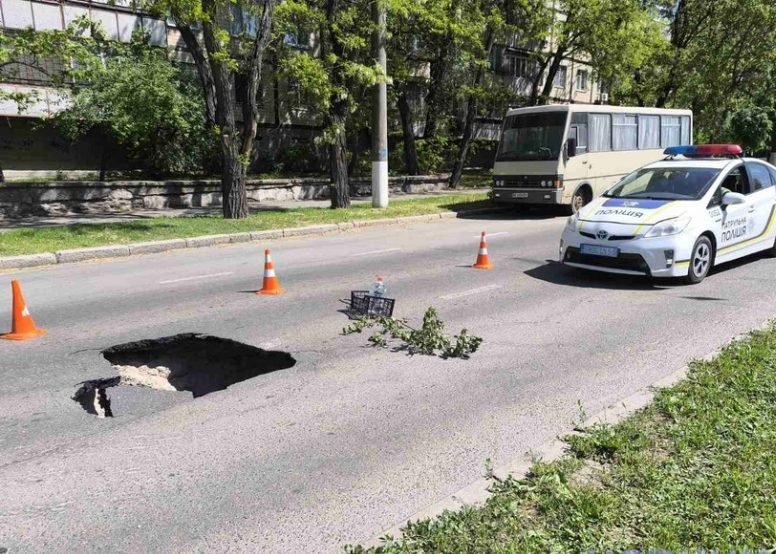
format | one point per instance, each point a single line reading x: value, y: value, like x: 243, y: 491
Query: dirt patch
x: 191, y: 362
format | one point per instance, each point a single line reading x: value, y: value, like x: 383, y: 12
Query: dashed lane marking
x: 373, y: 252
x: 196, y: 277
x: 470, y: 292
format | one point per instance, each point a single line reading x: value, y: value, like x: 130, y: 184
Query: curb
x: 134, y: 249
x: 476, y: 493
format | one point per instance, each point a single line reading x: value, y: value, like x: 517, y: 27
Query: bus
x: 567, y: 154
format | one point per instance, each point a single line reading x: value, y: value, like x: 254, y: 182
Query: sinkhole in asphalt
x: 191, y: 362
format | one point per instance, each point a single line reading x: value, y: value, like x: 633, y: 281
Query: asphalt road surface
x: 351, y: 440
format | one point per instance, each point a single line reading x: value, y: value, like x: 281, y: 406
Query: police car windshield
x: 665, y: 183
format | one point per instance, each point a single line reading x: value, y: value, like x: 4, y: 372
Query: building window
x: 582, y: 79
x: 560, y: 77
x: 299, y: 39
x: 520, y: 65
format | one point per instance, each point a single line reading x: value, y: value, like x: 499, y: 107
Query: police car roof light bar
x: 704, y: 150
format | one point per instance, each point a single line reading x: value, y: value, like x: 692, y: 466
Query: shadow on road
x: 557, y: 274
x: 500, y: 213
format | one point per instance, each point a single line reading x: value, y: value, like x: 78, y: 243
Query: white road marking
x: 469, y: 292
x: 371, y: 252
x: 196, y: 277
x: 489, y: 235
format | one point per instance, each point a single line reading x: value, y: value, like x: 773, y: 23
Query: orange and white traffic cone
x: 22, y: 327
x: 483, y: 262
x: 271, y: 283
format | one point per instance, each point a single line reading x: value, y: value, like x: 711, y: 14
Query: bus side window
x: 578, y: 130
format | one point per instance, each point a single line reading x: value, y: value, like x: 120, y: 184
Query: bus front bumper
x: 503, y: 195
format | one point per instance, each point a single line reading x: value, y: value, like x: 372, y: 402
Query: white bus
x: 568, y: 154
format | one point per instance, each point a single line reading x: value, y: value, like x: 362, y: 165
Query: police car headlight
x: 572, y: 223
x: 669, y: 227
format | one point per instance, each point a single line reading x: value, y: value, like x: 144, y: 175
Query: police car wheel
x: 700, y: 261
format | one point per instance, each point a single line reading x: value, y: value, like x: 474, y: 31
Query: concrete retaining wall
x: 51, y: 199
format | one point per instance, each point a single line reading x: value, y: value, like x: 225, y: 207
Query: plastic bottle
x: 378, y: 288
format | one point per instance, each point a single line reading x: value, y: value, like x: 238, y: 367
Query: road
x: 350, y: 440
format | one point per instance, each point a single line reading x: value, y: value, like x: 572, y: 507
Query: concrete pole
x: 379, y: 113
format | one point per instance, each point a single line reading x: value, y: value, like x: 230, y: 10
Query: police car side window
x: 759, y: 176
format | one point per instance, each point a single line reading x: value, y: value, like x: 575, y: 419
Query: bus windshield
x: 534, y: 136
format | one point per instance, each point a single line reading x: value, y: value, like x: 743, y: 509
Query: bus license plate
x: 596, y: 250
x: 519, y: 195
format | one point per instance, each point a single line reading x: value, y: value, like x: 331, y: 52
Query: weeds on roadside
x: 429, y: 339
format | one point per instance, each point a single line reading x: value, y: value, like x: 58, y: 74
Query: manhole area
x: 200, y: 364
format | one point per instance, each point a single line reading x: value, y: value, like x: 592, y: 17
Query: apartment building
x: 30, y: 148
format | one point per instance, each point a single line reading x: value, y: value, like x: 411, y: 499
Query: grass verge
x: 694, y: 470
x: 32, y: 241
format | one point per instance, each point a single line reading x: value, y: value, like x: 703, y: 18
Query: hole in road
x: 191, y: 362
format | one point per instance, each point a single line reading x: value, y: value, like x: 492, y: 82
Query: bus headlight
x: 669, y: 227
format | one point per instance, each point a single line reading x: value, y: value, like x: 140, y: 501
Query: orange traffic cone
x: 23, y: 327
x: 271, y: 283
x: 483, y: 262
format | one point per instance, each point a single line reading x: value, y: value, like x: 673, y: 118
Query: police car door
x: 760, y: 203
x: 734, y: 221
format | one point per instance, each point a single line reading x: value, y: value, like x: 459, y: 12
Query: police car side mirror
x: 733, y: 198
x: 571, y: 147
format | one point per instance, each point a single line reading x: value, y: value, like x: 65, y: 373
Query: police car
x: 701, y: 206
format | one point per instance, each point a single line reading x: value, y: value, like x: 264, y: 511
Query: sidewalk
x: 35, y: 222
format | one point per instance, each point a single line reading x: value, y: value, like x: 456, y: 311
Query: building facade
x: 29, y: 147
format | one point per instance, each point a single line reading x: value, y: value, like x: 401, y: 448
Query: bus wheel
x: 581, y: 197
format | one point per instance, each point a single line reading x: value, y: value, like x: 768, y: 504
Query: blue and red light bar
x: 704, y: 150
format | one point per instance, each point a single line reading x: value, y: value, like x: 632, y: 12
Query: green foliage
x: 716, y: 58
x: 429, y: 339
x: 151, y: 106
x: 694, y: 470
x: 340, y: 70
x: 752, y: 127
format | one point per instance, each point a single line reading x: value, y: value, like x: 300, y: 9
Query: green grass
x: 31, y: 241
x: 694, y: 470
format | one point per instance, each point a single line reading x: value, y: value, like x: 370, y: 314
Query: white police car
x: 700, y: 206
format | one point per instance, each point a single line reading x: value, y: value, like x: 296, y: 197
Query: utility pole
x: 379, y: 112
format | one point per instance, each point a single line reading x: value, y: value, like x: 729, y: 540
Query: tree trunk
x: 466, y: 140
x: 340, y: 193
x: 433, y: 101
x: 235, y: 198
x: 103, y: 161
x: 557, y: 58
x: 408, y: 134
x: 471, y: 114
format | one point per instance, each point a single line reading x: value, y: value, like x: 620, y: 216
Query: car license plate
x: 519, y: 195
x: 595, y: 250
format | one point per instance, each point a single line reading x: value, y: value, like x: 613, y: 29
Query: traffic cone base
x: 271, y: 284
x: 483, y: 261
x: 22, y: 327
x: 24, y: 336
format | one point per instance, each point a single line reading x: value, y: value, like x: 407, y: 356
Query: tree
x: 716, y: 58
x: 332, y: 73
x: 495, y: 21
x: 227, y: 38
x: 147, y: 103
